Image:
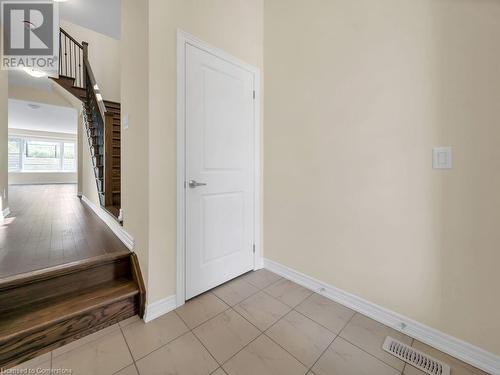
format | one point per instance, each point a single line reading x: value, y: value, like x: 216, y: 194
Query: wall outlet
x: 442, y: 158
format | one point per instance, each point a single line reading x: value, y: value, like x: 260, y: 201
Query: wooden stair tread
x: 60, y: 270
x: 103, y: 130
x: 115, y: 211
x: 34, y: 317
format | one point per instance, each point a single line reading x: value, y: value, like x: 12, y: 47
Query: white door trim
x: 184, y: 38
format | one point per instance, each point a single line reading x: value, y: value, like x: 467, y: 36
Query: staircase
x: 43, y: 310
x: 101, y: 119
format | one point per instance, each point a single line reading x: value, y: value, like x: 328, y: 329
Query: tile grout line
x: 130, y: 351
x: 247, y: 297
x: 277, y: 343
x: 292, y: 307
x: 162, y: 346
x: 165, y: 344
x: 343, y: 328
x: 235, y: 354
x: 372, y: 355
x: 337, y: 335
x: 219, y: 313
x: 197, y: 338
x: 263, y: 333
x: 215, y: 316
x: 321, y: 325
x: 293, y: 356
x: 208, y: 351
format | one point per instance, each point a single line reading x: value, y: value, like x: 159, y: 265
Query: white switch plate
x: 442, y: 158
x: 125, y: 122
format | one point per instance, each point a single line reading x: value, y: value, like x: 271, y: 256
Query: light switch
x: 125, y: 122
x: 442, y: 158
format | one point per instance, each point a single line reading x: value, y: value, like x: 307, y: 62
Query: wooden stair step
x: 113, y: 210
x: 111, y: 104
x: 35, y: 317
x: 97, y: 127
x: 45, y: 309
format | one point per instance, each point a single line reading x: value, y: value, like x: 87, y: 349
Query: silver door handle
x: 193, y: 184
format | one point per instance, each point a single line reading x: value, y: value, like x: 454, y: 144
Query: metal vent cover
x: 415, y: 358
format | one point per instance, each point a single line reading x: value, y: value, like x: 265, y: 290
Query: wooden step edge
x: 22, y: 349
x: 111, y: 102
x: 103, y: 300
x: 139, y: 280
x: 61, y: 270
x: 113, y: 211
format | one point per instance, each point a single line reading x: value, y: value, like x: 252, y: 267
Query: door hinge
x: 253, y: 94
x: 254, y: 248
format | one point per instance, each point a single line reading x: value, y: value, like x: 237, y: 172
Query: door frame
x: 183, y: 39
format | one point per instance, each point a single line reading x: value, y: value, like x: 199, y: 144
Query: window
x: 69, y: 163
x: 15, y: 146
x: 42, y: 156
x: 36, y: 155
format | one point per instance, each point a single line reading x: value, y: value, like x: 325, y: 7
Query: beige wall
x: 39, y: 96
x: 104, y: 57
x: 467, y: 40
x: 235, y: 26
x: 4, y: 108
x: 134, y: 105
x: 357, y: 94
x: 26, y: 178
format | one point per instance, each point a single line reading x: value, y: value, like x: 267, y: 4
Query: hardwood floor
x: 49, y: 225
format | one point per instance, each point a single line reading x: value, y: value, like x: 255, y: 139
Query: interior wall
x: 4, y: 109
x: 42, y: 178
x: 134, y: 107
x: 235, y: 26
x: 469, y: 75
x: 39, y: 96
x: 104, y: 57
x: 29, y: 178
x: 357, y: 95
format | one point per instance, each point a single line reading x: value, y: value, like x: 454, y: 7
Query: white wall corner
x: 111, y: 222
x: 459, y: 349
x: 156, y: 309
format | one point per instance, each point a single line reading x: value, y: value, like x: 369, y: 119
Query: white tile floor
x: 258, y: 324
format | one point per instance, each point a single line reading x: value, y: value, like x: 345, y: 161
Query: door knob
x: 193, y: 184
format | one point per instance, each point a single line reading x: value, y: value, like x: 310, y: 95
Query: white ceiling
x: 21, y: 78
x: 49, y: 118
x: 103, y: 16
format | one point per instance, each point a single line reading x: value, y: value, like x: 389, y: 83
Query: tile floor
x: 258, y: 324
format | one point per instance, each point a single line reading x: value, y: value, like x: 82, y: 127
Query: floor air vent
x: 415, y: 358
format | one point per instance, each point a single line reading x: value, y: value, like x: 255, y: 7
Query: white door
x: 219, y: 120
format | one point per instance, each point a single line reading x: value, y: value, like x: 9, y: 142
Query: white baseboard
x: 156, y: 309
x: 6, y: 212
x: 462, y: 350
x: 111, y: 222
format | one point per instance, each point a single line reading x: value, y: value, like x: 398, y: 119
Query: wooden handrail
x: 71, y: 38
x: 93, y: 83
x: 71, y: 58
